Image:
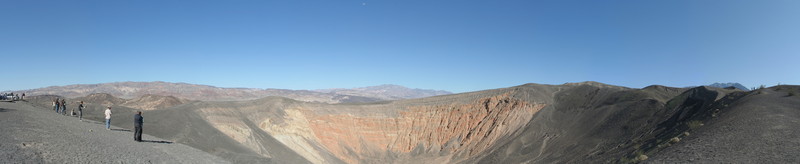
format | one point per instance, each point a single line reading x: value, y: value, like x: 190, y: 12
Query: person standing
x: 80, y: 111
x: 137, y: 124
x: 55, y: 105
x: 108, y: 118
x: 64, y: 107
x: 58, y: 106
x: 23, y: 96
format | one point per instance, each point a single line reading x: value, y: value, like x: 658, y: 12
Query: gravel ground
x: 761, y: 128
x: 37, y: 135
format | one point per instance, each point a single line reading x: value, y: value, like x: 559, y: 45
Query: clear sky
x: 434, y: 44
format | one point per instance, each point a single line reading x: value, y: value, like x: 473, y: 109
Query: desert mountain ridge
x: 387, y: 92
x: 129, y: 90
x: 144, y: 102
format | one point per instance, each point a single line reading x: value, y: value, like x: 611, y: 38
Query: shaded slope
x: 589, y: 124
x: 585, y: 123
x: 185, y: 126
x: 759, y: 127
x: 206, y: 132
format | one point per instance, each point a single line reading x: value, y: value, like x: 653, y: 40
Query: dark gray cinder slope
x: 32, y: 134
x: 184, y: 124
x: 588, y: 124
x: 759, y: 127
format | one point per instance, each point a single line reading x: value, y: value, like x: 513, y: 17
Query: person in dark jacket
x: 80, y: 111
x: 137, y: 123
x: 64, y: 107
x: 57, y: 105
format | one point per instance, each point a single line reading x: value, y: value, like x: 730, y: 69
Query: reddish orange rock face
x: 458, y: 129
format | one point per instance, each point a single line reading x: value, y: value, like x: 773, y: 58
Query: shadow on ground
x: 93, y: 122
x: 126, y: 130
x: 5, y: 110
x: 151, y: 141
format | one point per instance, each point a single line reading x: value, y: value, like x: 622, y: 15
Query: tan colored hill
x: 573, y: 123
x: 146, y: 102
x: 152, y: 102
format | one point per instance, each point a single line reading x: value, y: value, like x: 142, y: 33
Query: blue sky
x: 451, y: 45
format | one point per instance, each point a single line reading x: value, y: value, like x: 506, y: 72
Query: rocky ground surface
x: 759, y: 128
x: 39, y: 135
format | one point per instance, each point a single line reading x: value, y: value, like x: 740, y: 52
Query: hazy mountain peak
x: 386, y: 85
x: 729, y: 84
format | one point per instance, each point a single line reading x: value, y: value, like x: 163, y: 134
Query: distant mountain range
x: 130, y: 90
x: 725, y: 85
x: 386, y: 92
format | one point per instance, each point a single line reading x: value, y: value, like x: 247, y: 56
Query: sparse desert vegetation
x: 641, y: 157
x: 674, y: 140
x: 694, y: 124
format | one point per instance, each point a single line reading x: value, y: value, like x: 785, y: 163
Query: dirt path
x: 38, y: 135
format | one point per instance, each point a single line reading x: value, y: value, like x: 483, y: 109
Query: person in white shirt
x: 108, y: 118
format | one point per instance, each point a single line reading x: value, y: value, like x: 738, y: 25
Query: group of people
x: 61, y: 107
x: 12, y: 96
